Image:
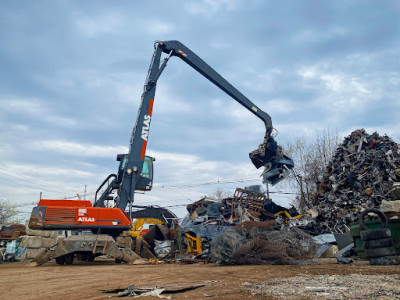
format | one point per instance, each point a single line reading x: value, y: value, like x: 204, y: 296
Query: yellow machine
x: 194, y: 244
x: 286, y: 216
x: 138, y: 224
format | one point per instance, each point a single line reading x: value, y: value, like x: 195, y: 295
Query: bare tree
x: 311, y: 158
x: 220, y: 194
x: 8, y: 212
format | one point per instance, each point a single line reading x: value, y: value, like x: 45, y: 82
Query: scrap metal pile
x: 264, y: 244
x: 207, y: 216
x: 246, y: 229
x: 362, y: 174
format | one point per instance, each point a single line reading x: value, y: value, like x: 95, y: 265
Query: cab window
x: 147, y: 168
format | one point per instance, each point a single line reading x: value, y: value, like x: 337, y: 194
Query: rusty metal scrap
x: 133, y: 291
x: 12, y: 232
x: 238, y: 245
x: 362, y: 174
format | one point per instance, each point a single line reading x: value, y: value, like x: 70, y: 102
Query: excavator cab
x: 145, y: 181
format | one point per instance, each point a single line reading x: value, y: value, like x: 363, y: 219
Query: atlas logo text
x: 146, y: 127
x: 85, y: 219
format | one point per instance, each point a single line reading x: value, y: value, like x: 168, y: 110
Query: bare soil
x: 86, y: 280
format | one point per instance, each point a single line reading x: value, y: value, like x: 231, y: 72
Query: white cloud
x: 309, y: 72
x: 168, y: 102
x: 291, y: 130
x: 210, y: 7
x: 315, y: 35
x: 178, y: 168
x: 229, y: 107
x: 129, y: 92
x: 19, y: 127
x: 6, y: 150
x: 159, y: 28
x: 33, y: 107
x: 339, y: 90
x: 35, y: 170
x: 97, y: 25
x: 282, y: 106
x: 333, y: 82
x: 36, y: 109
x: 76, y: 149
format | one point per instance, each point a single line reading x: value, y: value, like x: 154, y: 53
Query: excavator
x: 135, y: 172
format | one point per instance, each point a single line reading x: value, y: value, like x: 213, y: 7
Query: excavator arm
x: 132, y: 163
x: 268, y: 154
x: 179, y: 50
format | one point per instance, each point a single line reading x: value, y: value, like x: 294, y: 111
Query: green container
x: 393, y: 225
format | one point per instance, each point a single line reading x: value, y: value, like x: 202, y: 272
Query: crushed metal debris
x: 262, y: 246
x: 362, y: 174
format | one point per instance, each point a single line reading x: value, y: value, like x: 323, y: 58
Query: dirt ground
x: 86, y: 280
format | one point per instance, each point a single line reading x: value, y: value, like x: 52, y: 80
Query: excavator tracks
x: 88, y: 246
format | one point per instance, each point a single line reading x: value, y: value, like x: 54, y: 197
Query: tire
x: 385, y: 261
x: 89, y: 257
x: 60, y: 260
x: 380, y: 243
x: 69, y: 259
x: 380, y: 214
x: 80, y: 257
x: 375, y: 234
x: 378, y: 252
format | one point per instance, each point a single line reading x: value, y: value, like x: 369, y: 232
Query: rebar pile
x: 360, y: 175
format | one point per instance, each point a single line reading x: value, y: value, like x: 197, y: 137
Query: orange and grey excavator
x: 135, y: 172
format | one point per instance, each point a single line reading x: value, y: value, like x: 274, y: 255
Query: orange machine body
x: 78, y: 214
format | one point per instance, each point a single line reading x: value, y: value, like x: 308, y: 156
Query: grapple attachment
x: 270, y: 156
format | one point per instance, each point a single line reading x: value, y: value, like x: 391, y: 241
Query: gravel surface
x: 353, y: 286
x: 84, y: 280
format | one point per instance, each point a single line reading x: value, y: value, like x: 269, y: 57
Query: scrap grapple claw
x: 270, y: 156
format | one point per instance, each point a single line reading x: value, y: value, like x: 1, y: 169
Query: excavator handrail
x: 102, y: 184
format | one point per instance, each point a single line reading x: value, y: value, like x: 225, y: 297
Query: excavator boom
x: 177, y: 49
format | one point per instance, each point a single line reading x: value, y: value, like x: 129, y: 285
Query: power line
x: 34, y: 181
x: 27, y: 185
x: 189, y: 185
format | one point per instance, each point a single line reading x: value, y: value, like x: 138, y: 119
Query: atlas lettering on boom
x: 146, y: 127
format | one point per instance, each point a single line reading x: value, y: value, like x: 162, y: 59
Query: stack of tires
x: 378, y: 243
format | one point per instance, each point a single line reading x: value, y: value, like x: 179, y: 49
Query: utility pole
x: 266, y: 184
x: 84, y: 195
x: 301, y: 195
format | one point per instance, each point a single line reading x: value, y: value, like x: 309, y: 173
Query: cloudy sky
x: 72, y: 72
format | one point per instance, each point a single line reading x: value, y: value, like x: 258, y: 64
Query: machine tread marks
x: 379, y: 243
x: 379, y: 252
x: 375, y: 234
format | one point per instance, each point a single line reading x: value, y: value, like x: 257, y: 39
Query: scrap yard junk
x: 364, y: 173
x: 247, y: 228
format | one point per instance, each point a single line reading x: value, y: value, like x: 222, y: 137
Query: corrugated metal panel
x: 60, y: 216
